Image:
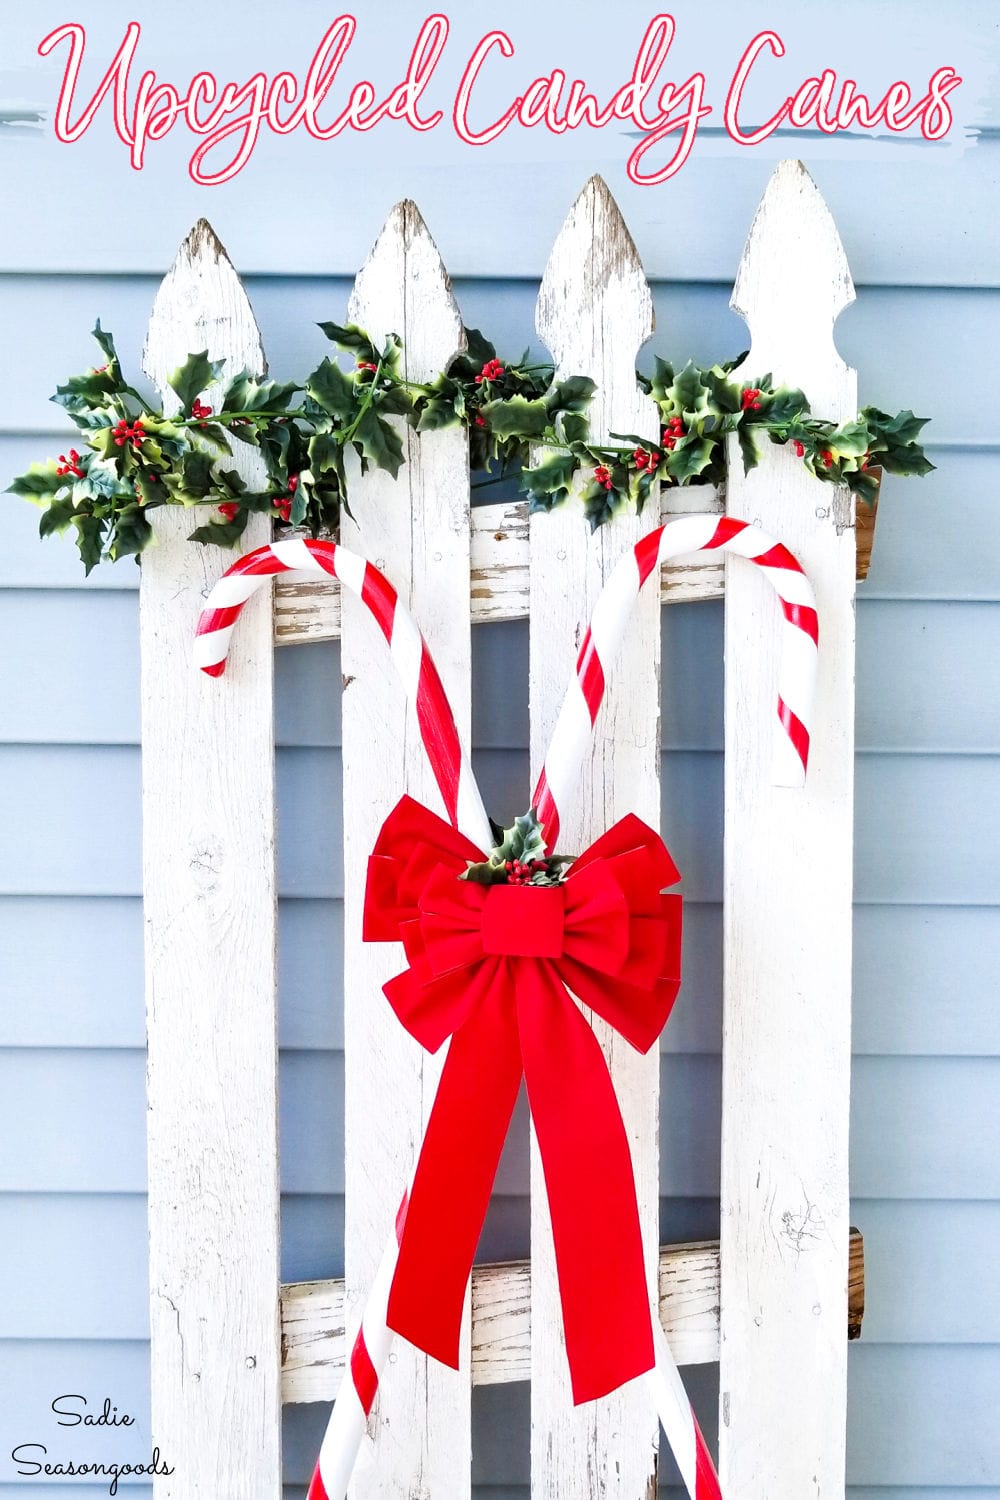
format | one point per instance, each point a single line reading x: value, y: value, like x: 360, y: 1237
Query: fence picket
x: 209, y: 884
x: 416, y: 528
x: 786, y: 1066
x: 594, y: 312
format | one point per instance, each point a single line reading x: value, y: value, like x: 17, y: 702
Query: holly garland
x: 133, y: 458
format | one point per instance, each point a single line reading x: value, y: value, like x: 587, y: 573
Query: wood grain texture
x: 309, y: 610
x: 594, y: 313
x: 787, y: 926
x: 312, y: 1319
x: 210, y: 919
x: 416, y: 528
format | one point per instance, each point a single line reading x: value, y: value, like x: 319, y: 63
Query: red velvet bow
x: 490, y: 967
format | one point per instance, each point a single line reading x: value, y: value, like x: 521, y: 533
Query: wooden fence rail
x: 229, y: 1344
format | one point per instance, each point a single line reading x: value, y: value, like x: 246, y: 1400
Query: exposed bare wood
x: 864, y: 531
x: 312, y: 1319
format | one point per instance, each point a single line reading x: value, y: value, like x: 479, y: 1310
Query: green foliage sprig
x: 133, y: 458
x: 518, y: 856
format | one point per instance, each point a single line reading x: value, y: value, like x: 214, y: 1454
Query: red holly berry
x: 284, y: 508
x: 492, y: 370
x: 799, y: 449
x: 480, y: 420
x: 641, y: 458
x: 827, y: 457
x: 70, y: 465
x: 364, y: 364
x: 230, y: 510
x: 293, y: 483
x: 751, y: 399
x: 199, y: 410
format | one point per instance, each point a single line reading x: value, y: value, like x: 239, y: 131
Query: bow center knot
x: 524, y: 921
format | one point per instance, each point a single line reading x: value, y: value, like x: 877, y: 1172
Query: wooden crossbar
x: 305, y: 610
x: 312, y: 1319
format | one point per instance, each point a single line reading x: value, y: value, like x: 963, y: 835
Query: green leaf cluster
x: 520, y: 419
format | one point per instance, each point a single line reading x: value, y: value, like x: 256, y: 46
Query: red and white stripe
x: 417, y: 672
x: 347, y: 1428
x: 688, y: 534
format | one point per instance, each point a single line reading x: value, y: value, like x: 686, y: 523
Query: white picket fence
x: 229, y: 1344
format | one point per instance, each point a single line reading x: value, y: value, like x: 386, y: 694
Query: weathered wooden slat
x: 210, y: 911
x: 305, y: 610
x: 594, y: 313
x: 312, y: 1319
x: 417, y: 528
x: 787, y: 925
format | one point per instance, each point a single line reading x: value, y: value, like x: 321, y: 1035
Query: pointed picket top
x: 595, y: 309
x: 201, y: 304
x: 403, y: 288
x: 792, y: 284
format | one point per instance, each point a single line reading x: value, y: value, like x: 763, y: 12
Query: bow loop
x: 493, y: 967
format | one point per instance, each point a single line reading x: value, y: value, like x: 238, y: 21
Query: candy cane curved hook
x: 796, y: 684
x: 409, y: 651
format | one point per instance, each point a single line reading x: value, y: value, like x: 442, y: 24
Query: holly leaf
x: 350, y: 337
x: 56, y: 517
x: 572, y: 394
x: 523, y: 841
x: 222, y: 533
x: 435, y: 413
x: 600, y: 505
x: 379, y: 442
x: 132, y: 532
x: 193, y: 377
x: 748, y: 446
x: 247, y: 393
x: 332, y: 391
x: 571, y: 427
x: 478, y: 349
x: 484, y: 873
x: 851, y: 440
x: 690, y: 458
x: 39, y: 484
x: 325, y: 452
x: 106, y: 340
x: 906, y: 461
x: 516, y: 417
x: 550, y: 481
x: 688, y: 392
x: 663, y: 379
x: 724, y: 393
x: 785, y: 405
x: 89, y: 539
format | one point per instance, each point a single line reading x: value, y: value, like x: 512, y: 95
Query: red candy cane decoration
x: 419, y: 676
x: 346, y: 1430
x: 571, y: 736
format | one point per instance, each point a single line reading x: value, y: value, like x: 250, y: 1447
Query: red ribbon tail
x: 454, y: 1177
x: 590, y: 1187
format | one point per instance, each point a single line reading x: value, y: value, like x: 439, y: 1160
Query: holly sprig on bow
x: 518, y: 856
x: 520, y: 419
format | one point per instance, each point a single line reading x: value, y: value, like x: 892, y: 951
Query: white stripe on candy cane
x: 572, y: 733
x: 347, y: 1427
x: 413, y: 661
